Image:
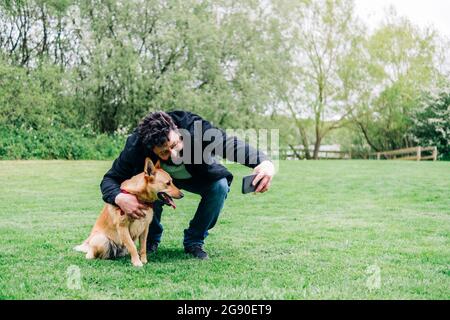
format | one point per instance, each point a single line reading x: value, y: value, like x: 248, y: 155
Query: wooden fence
x: 295, y: 153
x: 416, y: 154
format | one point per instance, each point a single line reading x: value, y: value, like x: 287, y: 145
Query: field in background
x: 326, y: 230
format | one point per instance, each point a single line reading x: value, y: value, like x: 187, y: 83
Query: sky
x: 421, y: 12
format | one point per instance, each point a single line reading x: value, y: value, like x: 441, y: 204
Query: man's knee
x: 219, y: 187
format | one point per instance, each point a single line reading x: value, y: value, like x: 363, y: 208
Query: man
x: 178, y: 139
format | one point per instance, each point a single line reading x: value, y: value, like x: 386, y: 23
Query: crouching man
x: 186, y: 146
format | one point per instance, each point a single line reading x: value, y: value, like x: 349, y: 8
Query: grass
x: 325, y: 231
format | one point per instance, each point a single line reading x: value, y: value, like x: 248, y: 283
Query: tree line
x: 309, y: 68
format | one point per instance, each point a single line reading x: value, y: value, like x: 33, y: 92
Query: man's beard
x: 169, y: 161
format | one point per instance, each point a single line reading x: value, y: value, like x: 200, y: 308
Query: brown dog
x: 114, y: 234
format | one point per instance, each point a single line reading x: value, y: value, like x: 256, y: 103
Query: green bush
x: 58, y: 143
x: 432, y: 124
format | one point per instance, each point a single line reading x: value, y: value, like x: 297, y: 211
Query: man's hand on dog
x: 264, y: 175
x: 131, y: 206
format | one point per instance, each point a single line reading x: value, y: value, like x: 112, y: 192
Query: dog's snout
x: 181, y: 195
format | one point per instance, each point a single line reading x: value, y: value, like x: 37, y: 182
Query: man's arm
x: 121, y: 170
x: 227, y: 147
x: 110, y: 185
x: 236, y: 150
x: 253, y: 158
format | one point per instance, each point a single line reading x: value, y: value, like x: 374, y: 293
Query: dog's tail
x: 84, y: 247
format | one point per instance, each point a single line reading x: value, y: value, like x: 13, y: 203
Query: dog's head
x: 153, y: 184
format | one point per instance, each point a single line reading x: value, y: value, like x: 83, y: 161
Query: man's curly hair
x: 154, y: 129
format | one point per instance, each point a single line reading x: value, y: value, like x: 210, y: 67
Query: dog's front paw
x: 137, y: 263
x: 144, y: 260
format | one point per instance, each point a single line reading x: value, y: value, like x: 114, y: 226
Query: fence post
x: 378, y: 156
x: 435, y: 154
x: 419, y: 153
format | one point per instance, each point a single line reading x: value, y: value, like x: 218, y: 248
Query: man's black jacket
x: 132, y: 159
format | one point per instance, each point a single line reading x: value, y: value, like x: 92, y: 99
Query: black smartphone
x: 247, y: 186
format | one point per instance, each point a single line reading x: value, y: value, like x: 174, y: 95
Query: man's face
x: 171, y: 148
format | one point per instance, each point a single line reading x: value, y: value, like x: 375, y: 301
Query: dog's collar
x: 150, y: 204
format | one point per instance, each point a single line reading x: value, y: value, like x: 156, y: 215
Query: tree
x: 403, y: 63
x: 121, y: 59
x: 431, y: 124
x: 325, y: 44
x: 209, y: 58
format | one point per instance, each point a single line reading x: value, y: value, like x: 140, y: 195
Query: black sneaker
x: 152, y: 247
x: 197, y: 252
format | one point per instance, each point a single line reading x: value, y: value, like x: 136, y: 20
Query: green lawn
x: 326, y: 230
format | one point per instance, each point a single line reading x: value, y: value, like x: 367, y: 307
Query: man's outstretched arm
x: 263, y: 168
x: 236, y: 150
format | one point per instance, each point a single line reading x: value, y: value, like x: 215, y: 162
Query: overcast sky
x: 421, y: 12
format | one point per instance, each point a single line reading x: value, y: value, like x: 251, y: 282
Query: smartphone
x: 247, y: 186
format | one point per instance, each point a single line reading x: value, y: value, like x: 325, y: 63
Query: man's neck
x: 169, y: 162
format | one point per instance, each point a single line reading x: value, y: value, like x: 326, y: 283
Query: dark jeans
x: 213, y: 198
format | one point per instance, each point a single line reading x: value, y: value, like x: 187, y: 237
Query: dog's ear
x: 158, y: 165
x: 149, y: 168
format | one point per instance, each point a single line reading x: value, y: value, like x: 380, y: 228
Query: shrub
x: 58, y: 143
x: 432, y: 125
